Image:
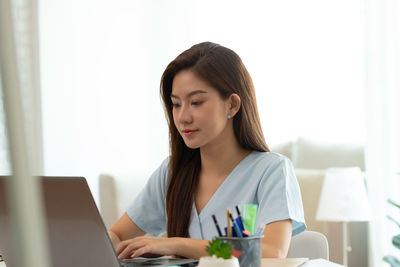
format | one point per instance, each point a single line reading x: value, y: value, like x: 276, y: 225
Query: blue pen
x: 235, y: 227
x: 216, y: 225
x: 240, y: 218
x: 238, y: 225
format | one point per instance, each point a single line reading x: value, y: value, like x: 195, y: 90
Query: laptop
x: 77, y: 235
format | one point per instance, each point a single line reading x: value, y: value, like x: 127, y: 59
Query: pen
x: 235, y: 227
x: 244, y: 232
x: 216, y: 225
x: 240, y: 217
x: 260, y: 230
x: 228, y: 226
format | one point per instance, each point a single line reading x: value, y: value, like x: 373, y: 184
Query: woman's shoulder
x: 266, y: 162
x: 161, y: 172
x: 164, y: 164
x: 267, y: 157
x: 157, y: 181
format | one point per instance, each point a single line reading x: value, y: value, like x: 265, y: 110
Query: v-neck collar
x: 204, y: 211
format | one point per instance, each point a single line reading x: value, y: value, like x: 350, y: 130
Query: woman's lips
x: 188, y: 132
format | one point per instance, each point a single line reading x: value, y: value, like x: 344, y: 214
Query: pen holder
x: 248, y: 248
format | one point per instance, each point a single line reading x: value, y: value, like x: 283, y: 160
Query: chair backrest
x: 117, y: 192
x: 108, y: 199
x: 309, y: 244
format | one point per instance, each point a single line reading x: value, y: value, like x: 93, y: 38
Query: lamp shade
x: 343, y: 196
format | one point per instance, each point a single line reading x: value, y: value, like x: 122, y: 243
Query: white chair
x: 108, y: 199
x: 117, y: 191
x: 309, y: 244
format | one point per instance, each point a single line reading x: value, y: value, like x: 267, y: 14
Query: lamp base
x: 346, y: 247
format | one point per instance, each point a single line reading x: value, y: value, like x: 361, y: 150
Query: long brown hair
x: 222, y: 69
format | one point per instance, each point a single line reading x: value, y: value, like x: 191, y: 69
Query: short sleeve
x: 148, y: 209
x: 279, y: 195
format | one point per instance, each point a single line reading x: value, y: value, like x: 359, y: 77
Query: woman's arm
x: 174, y: 246
x: 124, y: 229
x: 129, y: 242
x: 276, y: 241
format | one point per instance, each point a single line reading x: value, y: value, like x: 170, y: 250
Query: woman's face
x: 200, y: 114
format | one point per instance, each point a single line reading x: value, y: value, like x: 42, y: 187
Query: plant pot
x: 213, y: 261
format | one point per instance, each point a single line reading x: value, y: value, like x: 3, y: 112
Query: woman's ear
x: 233, y: 104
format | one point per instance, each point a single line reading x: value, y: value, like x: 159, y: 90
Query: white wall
x: 101, y: 62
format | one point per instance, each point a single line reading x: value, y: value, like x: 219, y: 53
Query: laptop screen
x: 77, y: 235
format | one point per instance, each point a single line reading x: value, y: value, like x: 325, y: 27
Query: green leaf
x: 396, y: 241
x: 220, y: 249
x: 393, y: 261
x: 393, y: 203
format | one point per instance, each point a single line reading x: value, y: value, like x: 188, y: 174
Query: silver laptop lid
x: 77, y: 235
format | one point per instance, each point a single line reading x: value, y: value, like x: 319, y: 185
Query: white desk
x: 321, y: 262
x: 298, y: 262
x: 282, y: 262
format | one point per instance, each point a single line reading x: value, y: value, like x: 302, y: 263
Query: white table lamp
x: 343, y: 199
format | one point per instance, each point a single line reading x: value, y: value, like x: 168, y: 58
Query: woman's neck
x: 222, y: 158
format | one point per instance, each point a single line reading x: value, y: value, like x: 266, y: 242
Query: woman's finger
x: 140, y: 252
x: 121, y: 247
x: 124, y: 253
x: 128, y: 250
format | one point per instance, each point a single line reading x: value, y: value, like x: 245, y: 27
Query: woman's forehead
x: 186, y: 84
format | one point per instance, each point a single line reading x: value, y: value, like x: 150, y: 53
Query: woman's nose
x: 185, y: 116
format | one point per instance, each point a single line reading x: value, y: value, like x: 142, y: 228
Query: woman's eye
x: 197, y: 103
x: 175, y: 105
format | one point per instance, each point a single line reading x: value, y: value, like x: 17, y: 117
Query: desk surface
x: 283, y: 263
x: 303, y: 262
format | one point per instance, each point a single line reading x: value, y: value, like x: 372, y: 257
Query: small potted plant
x: 392, y: 260
x: 220, y: 255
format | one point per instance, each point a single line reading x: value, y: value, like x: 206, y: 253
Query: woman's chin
x: 192, y: 145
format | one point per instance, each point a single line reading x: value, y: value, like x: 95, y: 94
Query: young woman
x: 219, y: 159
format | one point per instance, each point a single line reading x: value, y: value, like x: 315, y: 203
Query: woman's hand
x: 147, y: 246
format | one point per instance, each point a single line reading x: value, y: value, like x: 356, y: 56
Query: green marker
x: 250, y: 217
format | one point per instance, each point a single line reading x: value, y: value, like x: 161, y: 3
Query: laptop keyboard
x: 158, y: 262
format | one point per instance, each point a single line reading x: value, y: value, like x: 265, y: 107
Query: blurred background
x: 101, y: 64
x: 324, y: 70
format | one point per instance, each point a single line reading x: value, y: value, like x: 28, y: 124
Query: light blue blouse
x: 262, y: 178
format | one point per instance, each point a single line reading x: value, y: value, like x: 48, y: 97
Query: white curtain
x: 24, y: 13
x: 20, y: 76
x: 4, y: 155
x: 383, y: 122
